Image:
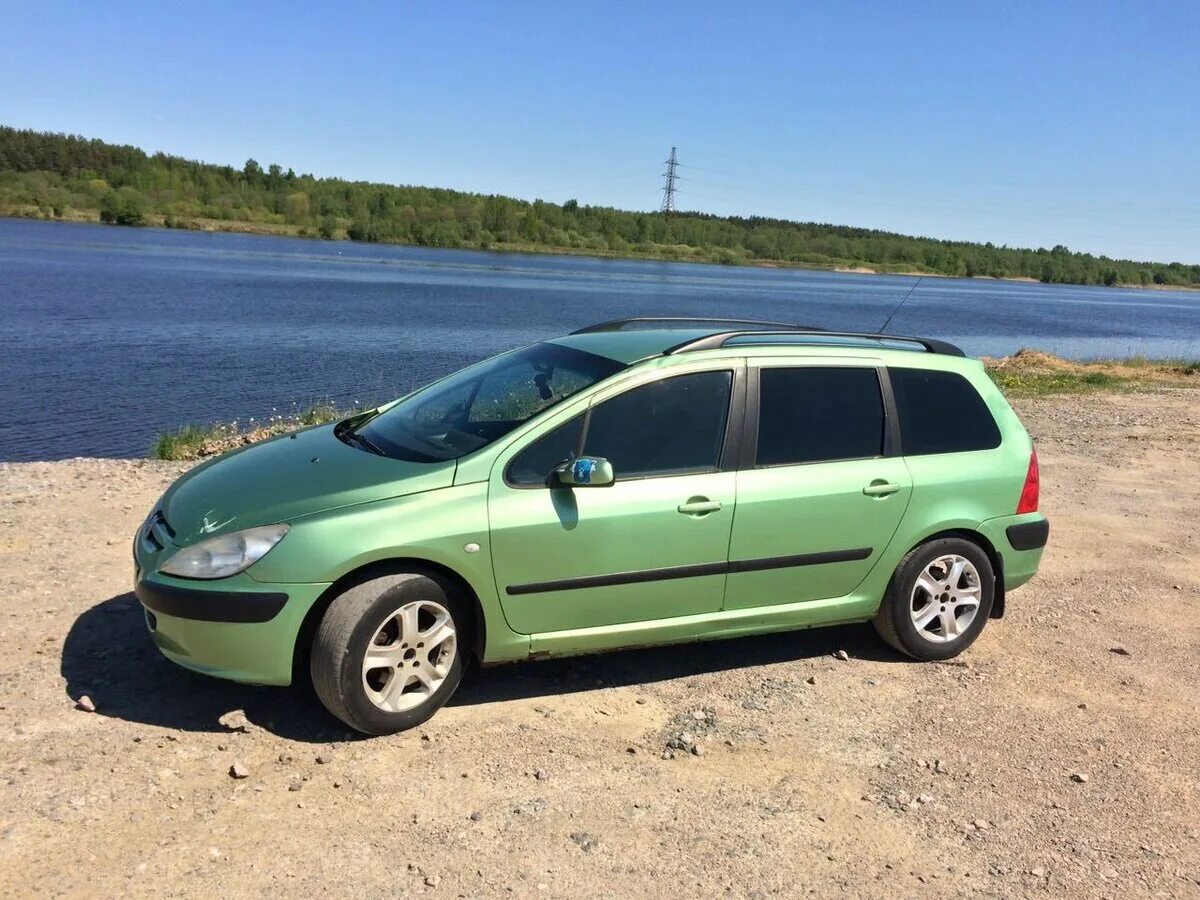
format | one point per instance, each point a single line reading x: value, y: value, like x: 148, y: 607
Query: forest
x: 68, y: 177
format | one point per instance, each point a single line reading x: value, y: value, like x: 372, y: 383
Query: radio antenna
x: 888, y: 321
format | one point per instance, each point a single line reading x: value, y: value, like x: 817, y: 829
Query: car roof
x: 632, y: 340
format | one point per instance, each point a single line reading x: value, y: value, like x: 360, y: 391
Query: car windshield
x: 480, y: 404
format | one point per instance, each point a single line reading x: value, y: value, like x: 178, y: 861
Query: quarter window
x: 941, y: 412
x: 534, y: 464
x: 673, y: 426
x: 814, y: 414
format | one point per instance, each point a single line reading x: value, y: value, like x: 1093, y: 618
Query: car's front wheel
x: 938, y: 600
x: 389, y: 652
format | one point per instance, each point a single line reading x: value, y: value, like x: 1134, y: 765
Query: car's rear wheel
x: 389, y: 652
x: 938, y: 599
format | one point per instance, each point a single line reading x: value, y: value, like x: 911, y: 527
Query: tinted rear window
x: 818, y: 415
x: 941, y: 412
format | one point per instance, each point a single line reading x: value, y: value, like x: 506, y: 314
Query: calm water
x: 111, y: 335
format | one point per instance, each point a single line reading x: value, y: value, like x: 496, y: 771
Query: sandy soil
x: 1042, y: 763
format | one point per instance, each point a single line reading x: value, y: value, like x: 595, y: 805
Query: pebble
x: 85, y: 703
x: 982, y: 824
x: 238, y: 770
x: 433, y: 880
x: 1037, y: 872
x: 475, y: 816
x: 842, y: 655
x: 541, y: 775
x: 1079, y: 777
x: 1120, y: 651
x: 925, y: 798
x: 322, y: 759
x: 811, y: 679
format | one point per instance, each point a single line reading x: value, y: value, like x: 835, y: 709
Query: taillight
x: 1029, y: 493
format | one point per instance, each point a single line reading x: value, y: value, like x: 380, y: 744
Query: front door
x: 821, y: 494
x: 652, y: 545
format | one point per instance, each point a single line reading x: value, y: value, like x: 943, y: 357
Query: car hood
x: 287, y: 477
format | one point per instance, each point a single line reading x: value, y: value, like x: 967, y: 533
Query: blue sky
x: 1025, y: 124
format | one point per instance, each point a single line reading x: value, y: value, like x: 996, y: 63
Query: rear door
x: 820, y: 492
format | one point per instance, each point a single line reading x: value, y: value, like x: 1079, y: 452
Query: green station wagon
x: 645, y: 481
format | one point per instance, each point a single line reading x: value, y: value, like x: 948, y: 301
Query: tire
x: 905, y: 606
x: 390, y: 615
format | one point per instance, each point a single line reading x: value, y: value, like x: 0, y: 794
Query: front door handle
x: 699, y: 506
x: 880, y: 488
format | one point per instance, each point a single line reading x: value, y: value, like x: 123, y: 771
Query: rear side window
x: 941, y: 412
x: 818, y: 415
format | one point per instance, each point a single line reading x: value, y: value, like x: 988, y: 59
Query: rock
x: 475, y: 816
x: 587, y: 842
x: 641, y: 701
x: 940, y: 768
x: 1177, y: 587
x: 1079, y: 777
x: 811, y: 679
x: 1119, y: 650
x: 235, y: 720
x: 982, y: 824
x: 700, y: 715
x: 631, y: 750
x: 842, y: 655
x: 238, y: 770
x: 925, y: 798
x: 697, y: 750
x: 295, y: 786
x: 85, y: 703
x: 433, y: 880
x: 1037, y: 872
x: 322, y: 759
x: 541, y: 775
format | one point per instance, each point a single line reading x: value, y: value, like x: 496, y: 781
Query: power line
x: 668, y: 201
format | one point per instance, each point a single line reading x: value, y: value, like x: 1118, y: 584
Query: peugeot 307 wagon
x: 644, y: 481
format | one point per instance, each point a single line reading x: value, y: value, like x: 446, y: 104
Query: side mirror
x: 586, y: 471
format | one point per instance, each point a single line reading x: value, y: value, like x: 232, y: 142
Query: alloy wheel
x: 410, y: 656
x: 945, y: 599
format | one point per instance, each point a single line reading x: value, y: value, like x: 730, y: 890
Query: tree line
x: 67, y: 176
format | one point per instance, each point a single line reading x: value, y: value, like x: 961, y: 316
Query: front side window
x: 674, y: 426
x: 811, y: 414
x: 472, y: 408
x: 941, y: 412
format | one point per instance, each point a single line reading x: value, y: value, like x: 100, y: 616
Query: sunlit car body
x: 637, y: 482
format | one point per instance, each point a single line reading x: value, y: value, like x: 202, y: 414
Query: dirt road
x: 1059, y: 757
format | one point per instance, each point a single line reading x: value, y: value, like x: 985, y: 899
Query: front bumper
x: 235, y: 628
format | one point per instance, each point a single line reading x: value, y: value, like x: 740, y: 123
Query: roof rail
x: 719, y: 339
x: 679, y: 321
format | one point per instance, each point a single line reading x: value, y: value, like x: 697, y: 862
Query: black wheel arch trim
x: 1029, y: 535
x: 210, y: 606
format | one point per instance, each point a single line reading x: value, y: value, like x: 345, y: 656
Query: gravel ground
x: 1059, y: 757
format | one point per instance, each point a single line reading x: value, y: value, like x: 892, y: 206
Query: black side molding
x: 210, y: 606
x: 670, y: 572
x: 1029, y: 535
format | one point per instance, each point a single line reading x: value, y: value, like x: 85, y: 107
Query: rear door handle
x: 699, y: 506
x: 880, y: 488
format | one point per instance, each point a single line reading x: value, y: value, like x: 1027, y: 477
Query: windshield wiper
x: 347, y: 435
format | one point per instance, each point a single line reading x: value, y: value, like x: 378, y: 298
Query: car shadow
x: 109, y: 656
x: 646, y: 665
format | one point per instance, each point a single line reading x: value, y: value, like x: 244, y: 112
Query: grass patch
x: 1031, y: 373
x: 193, y: 442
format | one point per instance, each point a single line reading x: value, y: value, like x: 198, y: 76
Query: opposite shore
x: 680, y: 253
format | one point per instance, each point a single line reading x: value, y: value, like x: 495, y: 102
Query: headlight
x: 226, y: 555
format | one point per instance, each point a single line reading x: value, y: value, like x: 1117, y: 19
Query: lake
x: 111, y: 335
